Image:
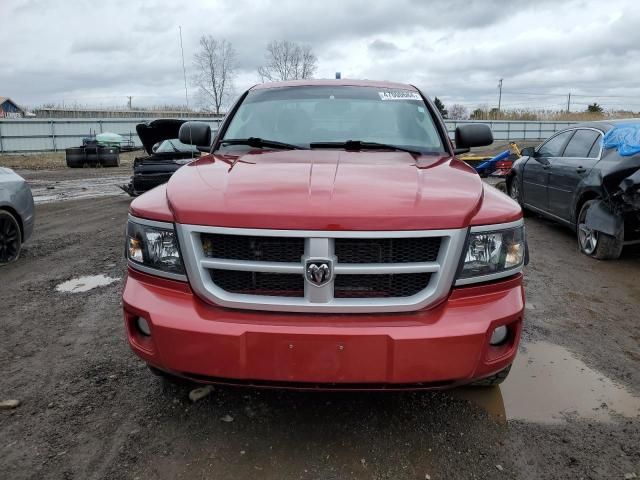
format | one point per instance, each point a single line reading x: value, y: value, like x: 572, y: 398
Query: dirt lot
x: 91, y: 410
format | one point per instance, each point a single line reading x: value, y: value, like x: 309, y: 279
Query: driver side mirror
x: 528, y: 152
x: 472, y: 135
x: 195, y: 133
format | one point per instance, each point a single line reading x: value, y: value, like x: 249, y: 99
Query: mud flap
x: 599, y: 217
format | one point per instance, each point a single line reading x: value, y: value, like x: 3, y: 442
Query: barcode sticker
x: 399, y: 95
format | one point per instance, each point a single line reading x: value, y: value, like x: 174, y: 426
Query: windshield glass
x: 304, y: 115
x: 172, y: 146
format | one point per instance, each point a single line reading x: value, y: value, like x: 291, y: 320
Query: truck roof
x: 332, y: 82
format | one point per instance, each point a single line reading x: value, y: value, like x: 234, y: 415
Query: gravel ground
x: 91, y: 410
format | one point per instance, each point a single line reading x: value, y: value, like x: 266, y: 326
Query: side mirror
x: 195, y: 133
x: 528, y: 152
x: 472, y: 135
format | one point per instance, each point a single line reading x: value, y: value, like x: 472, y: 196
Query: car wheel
x: 10, y: 238
x: 514, y: 190
x: 593, y: 243
x: 516, y: 194
x: 75, y: 157
x: 496, y: 379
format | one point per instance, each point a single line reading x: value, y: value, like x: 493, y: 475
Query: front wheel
x: 593, y: 243
x: 10, y: 238
x: 513, y: 190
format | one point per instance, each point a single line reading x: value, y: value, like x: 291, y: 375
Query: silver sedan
x: 17, y: 214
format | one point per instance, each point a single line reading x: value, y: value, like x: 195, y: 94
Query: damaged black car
x: 166, y: 154
x: 587, y: 177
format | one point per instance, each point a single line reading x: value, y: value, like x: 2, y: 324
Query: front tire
x: 593, y: 243
x: 10, y: 238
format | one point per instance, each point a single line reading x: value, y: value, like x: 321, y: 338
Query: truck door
x: 568, y: 170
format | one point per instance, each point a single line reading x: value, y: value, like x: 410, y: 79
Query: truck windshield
x: 321, y: 114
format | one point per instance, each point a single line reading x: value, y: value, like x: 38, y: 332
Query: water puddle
x: 547, y: 384
x: 47, y: 191
x: 84, y: 284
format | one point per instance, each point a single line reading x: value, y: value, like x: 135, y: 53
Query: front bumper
x: 444, y: 346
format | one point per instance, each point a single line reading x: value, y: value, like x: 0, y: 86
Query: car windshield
x: 313, y: 114
x: 173, y: 146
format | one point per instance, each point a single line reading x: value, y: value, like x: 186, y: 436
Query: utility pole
x: 499, y: 95
x: 129, y: 102
x: 569, y: 103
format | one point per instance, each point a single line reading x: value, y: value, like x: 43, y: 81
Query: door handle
x: 581, y: 170
x: 546, y: 166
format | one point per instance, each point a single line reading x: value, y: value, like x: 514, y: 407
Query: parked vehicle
x: 331, y: 239
x: 17, y: 215
x: 166, y: 154
x: 571, y: 178
x: 498, y: 167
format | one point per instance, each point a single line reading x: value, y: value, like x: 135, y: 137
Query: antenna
x: 186, y: 93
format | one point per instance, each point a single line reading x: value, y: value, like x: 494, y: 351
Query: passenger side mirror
x: 472, y: 135
x: 528, y: 152
x: 195, y: 133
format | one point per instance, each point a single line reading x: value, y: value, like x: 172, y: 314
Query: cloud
x: 382, y: 46
x: 99, y: 52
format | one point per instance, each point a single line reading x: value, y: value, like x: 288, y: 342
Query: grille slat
x: 380, y: 286
x: 259, y: 283
x: 245, y: 247
x: 387, y: 250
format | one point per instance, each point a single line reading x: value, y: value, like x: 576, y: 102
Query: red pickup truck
x: 330, y: 239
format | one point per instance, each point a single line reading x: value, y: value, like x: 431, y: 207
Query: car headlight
x: 152, y: 247
x: 493, y: 252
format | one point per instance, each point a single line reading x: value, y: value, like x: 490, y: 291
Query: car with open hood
x: 330, y: 239
x: 165, y: 154
x: 586, y: 177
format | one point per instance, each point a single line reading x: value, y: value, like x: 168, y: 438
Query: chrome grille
x: 371, y: 271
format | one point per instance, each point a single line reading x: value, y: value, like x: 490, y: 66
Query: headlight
x: 153, y: 247
x: 183, y: 161
x: 493, y: 253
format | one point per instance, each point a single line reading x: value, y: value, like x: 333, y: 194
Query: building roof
x: 5, y: 99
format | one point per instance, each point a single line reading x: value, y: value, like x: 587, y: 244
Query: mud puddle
x: 47, y: 191
x: 84, y: 284
x: 547, y: 384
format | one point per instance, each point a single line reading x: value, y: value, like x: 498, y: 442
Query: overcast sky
x: 98, y: 52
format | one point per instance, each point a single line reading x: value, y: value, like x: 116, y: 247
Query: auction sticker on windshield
x: 399, y: 95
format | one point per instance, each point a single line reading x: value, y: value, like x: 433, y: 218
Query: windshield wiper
x: 362, y: 145
x: 261, y: 143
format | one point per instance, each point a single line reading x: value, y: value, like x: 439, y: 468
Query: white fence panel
x: 41, y: 135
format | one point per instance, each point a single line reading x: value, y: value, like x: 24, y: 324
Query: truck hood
x: 326, y: 190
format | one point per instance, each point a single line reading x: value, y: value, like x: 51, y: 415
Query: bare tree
x: 287, y: 60
x: 458, y: 112
x: 215, y: 65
